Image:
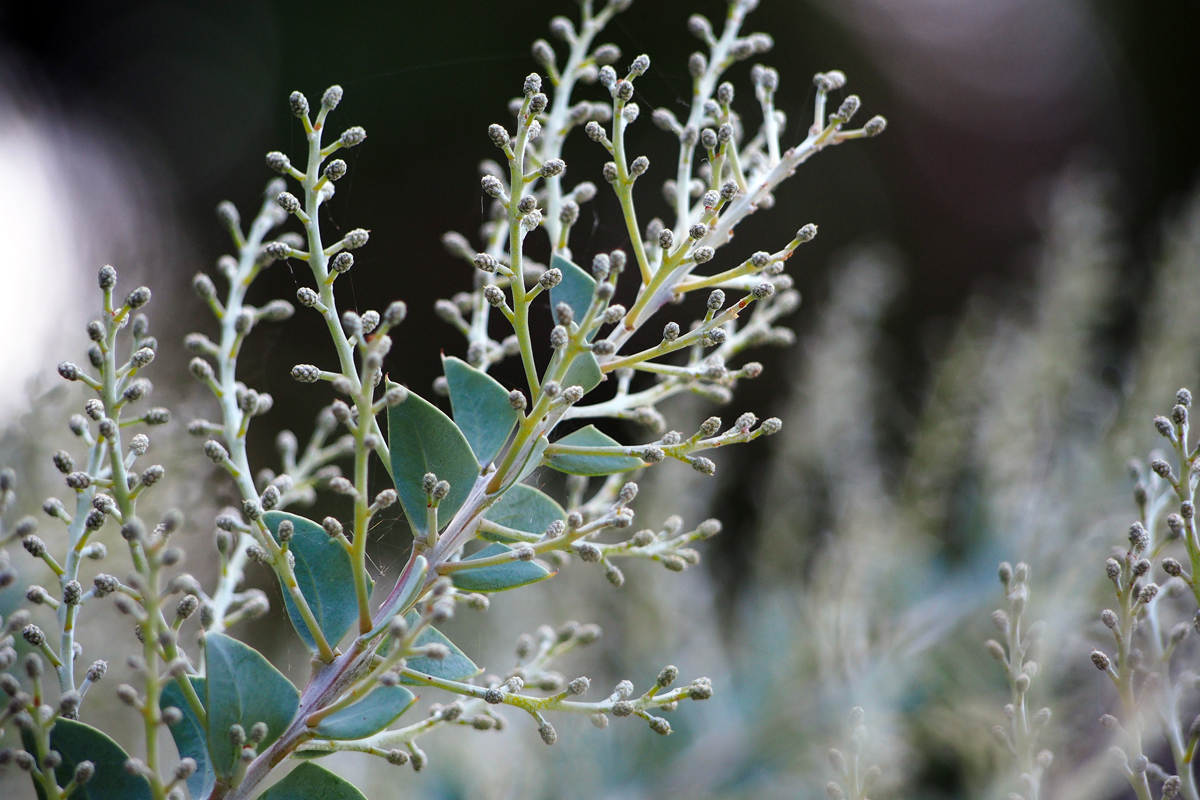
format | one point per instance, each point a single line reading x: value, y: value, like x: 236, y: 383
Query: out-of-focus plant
x: 476, y: 526
x: 854, y: 781
x: 1016, y: 451
x: 1021, y: 734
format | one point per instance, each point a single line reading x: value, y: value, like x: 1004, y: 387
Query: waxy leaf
x: 242, y: 688
x: 454, y: 667
x: 76, y: 742
x: 422, y: 439
x: 591, y: 465
x: 498, y: 577
x: 532, y: 460
x: 583, y: 372
x: 576, y: 290
x: 189, y: 735
x: 481, y: 408
x: 368, y: 716
x: 413, y: 582
x: 325, y: 577
x: 523, y: 508
x: 312, y: 782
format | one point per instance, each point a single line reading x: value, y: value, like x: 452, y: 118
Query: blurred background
x: 995, y: 306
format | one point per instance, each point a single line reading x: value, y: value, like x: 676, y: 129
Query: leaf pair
x: 242, y: 688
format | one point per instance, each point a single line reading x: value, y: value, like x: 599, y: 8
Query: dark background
x: 985, y: 104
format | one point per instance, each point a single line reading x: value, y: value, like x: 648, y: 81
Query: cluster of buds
x: 1020, y: 736
x: 854, y: 782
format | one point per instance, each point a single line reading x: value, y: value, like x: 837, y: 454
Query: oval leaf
x: 481, y: 408
x: 189, y: 736
x: 576, y: 290
x: 591, y: 465
x: 498, y: 577
x: 422, y: 439
x: 524, y: 508
x: 312, y: 782
x: 76, y: 742
x: 242, y: 688
x: 583, y: 372
x: 325, y: 577
x: 368, y: 716
x: 405, y: 592
x: 454, y: 667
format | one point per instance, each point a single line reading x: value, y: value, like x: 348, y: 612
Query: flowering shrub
x: 477, y: 526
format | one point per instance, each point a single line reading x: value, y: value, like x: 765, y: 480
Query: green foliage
x: 325, y: 576
x: 242, y: 689
x: 591, y: 465
x: 423, y: 440
x: 583, y: 372
x: 576, y: 290
x: 370, y: 715
x: 77, y: 742
x: 413, y: 584
x: 312, y: 782
x: 454, y: 667
x: 191, y: 739
x: 498, y: 577
x: 523, y: 508
x: 481, y: 408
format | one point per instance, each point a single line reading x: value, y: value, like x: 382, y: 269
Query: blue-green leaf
x: 189, y: 735
x: 498, y: 577
x: 368, y: 716
x: 414, y: 581
x: 591, y: 465
x: 481, y: 408
x: 583, y: 372
x: 312, y: 782
x: 325, y: 576
x: 533, y: 460
x: 576, y: 290
x: 76, y: 742
x: 422, y: 439
x: 454, y: 667
x: 524, y: 508
x: 242, y: 688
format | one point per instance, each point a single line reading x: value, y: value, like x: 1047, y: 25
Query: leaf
x: 576, y: 290
x: 189, y: 736
x: 312, y: 782
x: 481, y: 408
x: 583, y: 372
x: 368, y: 716
x: 242, y: 688
x: 325, y: 576
x: 498, y: 577
x: 533, y: 460
x: 454, y: 667
x: 422, y: 439
x: 535, y: 457
x: 524, y: 508
x: 591, y: 465
x: 76, y: 742
x: 414, y: 581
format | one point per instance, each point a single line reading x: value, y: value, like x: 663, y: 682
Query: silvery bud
x: 352, y: 137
